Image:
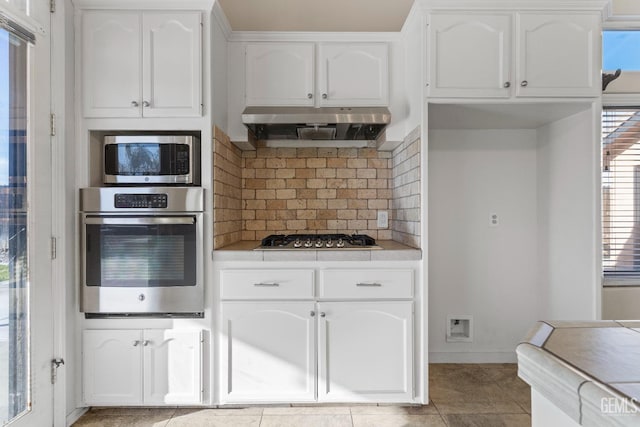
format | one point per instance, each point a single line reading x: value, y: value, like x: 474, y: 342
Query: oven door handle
x: 147, y: 220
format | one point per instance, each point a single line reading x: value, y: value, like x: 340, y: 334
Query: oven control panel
x: 140, y: 201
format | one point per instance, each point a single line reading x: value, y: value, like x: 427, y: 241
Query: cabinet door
x: 365, y: 351
x: 112, y: 367
x: 268, y: 352
x: 558, y: 55
x: 172, y: 366
x: 172, y: 64
x: 111, y: 65
x: 280, y: 74
x: 353, y: 74
x: 469, y: 55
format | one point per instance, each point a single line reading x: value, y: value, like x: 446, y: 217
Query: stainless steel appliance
x: 308, y: 124
x: 317, y: 241
x: 142, y: 250
x: 151, y: 159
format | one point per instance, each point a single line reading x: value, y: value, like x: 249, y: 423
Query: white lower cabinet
x: 365, y: 351
x: 136, y: 367
x: 269, y: 351
x: 328, y: 348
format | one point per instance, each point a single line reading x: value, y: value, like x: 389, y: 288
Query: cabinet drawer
x: 267, y: 284
x: 358, y: 284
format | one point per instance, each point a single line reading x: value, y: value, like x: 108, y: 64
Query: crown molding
x: 312, y: 36
x: 222, y: 20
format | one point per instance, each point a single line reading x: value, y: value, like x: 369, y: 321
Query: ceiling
x: 316, y: 15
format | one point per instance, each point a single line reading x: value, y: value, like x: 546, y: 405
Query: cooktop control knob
x: 319, y: 243
x: 308, y: 243
x: 340, y: 243
x: 329, y: 243
x: 297, y: 243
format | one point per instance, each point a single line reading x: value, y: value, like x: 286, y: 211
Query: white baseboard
x: 459, y: 357
x: 75, y: 415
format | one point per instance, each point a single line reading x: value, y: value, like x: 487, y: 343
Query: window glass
x: 621, y: 49
x: 14, y: 284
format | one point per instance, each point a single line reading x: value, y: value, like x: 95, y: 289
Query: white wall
x: 626, y: 7
x: 569, y: 222
x: 474, y: 269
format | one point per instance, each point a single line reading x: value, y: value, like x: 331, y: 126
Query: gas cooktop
x: 318, y: 242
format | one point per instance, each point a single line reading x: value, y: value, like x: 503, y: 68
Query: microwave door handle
x: 151, y: 220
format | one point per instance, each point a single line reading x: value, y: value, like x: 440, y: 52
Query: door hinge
x: 55, y: 364
x: 54, y: 248
x: 52, y: 6
x: 52, y: 124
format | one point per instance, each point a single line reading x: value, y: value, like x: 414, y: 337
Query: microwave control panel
x: 140, y: 201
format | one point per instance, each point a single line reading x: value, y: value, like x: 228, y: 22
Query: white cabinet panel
x: 365, y: 351
x: 112, y: 367
x: 366, y: 284
x: 470, y: 55
x: 268, y: 352
x: 558, y: 55
x: 353, y: 74
x: 280, y: 74
x: 141, y: 64
x: 135, y: 367
x: 267, y: 284
x: 172, y: 366
x: 111, y: 64
x: 171, y: 65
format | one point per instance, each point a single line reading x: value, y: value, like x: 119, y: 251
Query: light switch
x: 383, y: 219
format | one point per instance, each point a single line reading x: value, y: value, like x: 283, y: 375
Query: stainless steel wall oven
x: 142, y: 250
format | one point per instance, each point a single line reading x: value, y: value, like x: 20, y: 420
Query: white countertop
x: 244, y: 251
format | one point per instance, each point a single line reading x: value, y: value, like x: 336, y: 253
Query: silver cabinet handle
x: 324, y: 96
x: 134, y: 103
x: 272, y: 285
x: 507, y: 84
x: 136, y: 342
x: 146, y: 343
x: 309, y: 95
x: 146, y: 104
x: 524, y: 83
x: 141, y: 297
x: 369, y: 284
x: 312, y: 314
x: 323, y: 314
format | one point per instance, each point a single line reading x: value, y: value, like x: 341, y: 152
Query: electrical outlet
x: 493, y: 220
x: 383, y: 219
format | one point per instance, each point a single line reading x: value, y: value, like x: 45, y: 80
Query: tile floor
x: 462, y: 395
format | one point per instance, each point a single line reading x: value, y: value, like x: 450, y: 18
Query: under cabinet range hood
x: 316, y: 124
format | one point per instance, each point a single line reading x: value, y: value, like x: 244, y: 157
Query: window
x: 621, y: 50
x: 621, y: 192
x: 14, y: 283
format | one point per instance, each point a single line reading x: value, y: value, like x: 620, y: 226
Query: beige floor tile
x: 456, y: 392
x: 306, y: 421
x: 199, y: 419
x: 308, y: 410
x: 395, y: 410
x: 93, y: 420
x: 446, y: 408
x: 226, y: 412
x: 398, y: 421
x: 488, y: 420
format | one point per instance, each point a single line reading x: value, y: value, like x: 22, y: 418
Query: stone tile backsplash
x: 314, y: 190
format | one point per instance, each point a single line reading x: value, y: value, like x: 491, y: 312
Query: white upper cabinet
x: 280, y: 74
x: 141, y: 64
x: 558, y: 55
x: 513, y: 54
x: 287, y: 74
x: 353, y: 74
x: 470, y: 55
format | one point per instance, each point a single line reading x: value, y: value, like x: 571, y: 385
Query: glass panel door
x: 14, y: 281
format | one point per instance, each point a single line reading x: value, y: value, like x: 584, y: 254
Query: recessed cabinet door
x: 172, y: 64
x: 111, y: 64
x: 558, y: 55
x: 280, y: 74
x: 365, y: 351
x: 469, y: 55
x: 112, y: 367
x: 172, y: 366
x: 353, y: 74
x: 268, y: 352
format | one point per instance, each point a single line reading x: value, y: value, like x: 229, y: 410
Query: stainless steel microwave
x: 151, y: 159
